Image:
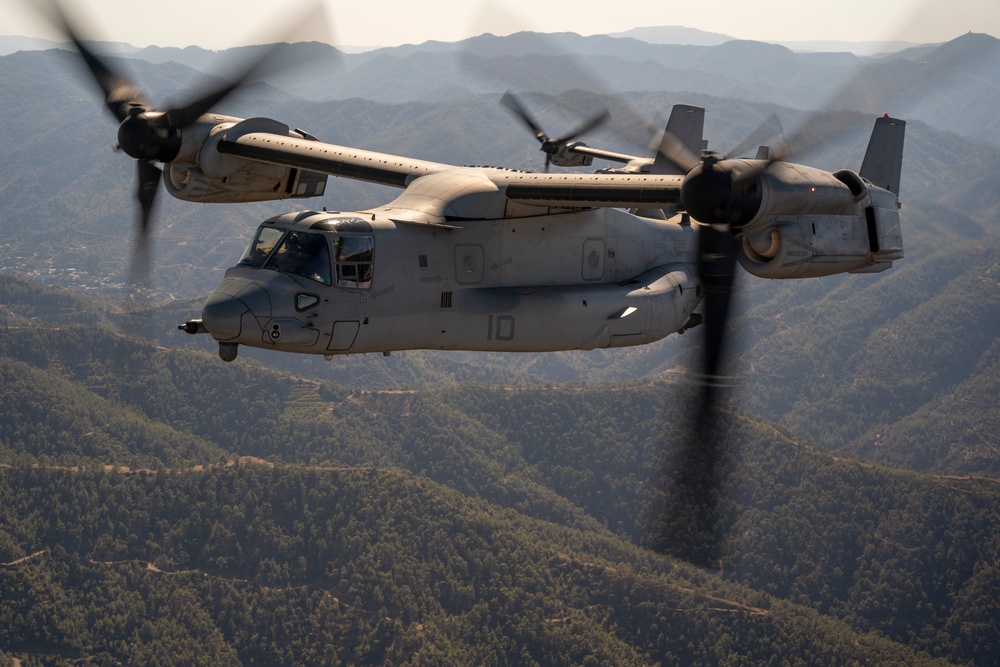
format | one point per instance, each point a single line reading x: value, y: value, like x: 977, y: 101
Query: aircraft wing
x: 538, y: 189
x: 329, y: 159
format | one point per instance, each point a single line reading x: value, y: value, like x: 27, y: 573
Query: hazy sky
x: 217, y: 24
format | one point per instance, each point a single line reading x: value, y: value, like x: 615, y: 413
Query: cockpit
x: 308, y: 253
x: 272, y: 296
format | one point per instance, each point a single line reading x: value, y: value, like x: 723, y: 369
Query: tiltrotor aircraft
x: 483, y: 258
x: 493, y: 259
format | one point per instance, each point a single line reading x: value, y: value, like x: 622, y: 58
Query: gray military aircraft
x: 493, y: 259
x: 486, y: 258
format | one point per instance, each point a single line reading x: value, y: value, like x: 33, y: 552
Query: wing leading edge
x: 549, y: 190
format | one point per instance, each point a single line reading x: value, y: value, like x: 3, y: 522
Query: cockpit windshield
x: 261, y: 246
x: 307, y: 254
x: 304, y: 254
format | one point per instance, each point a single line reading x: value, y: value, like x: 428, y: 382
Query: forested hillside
x: 264, y: 566
x: 517, y: 508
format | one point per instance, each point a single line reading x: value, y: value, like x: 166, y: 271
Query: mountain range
x: 460, y: 508
x: 919, y: 83
x: 679, y: 35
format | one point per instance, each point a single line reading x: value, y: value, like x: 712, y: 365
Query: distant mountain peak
x: 977, y: 38
x: 968, y: 48
x: 675, y: 34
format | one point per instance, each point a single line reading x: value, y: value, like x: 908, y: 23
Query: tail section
x: 882, y: 167
x: 883, y: 162
x: 686, y: 123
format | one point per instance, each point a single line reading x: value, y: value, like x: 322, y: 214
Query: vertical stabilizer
x: 686, y: 123
x: 884, y: 158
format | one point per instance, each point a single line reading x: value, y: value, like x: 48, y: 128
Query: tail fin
x: 884, y: 159
x: 686, y: 123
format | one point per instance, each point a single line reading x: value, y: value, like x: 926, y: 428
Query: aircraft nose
x: 233, y: 309
x: 223, y: 316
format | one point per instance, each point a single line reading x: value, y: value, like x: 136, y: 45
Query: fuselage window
x: 354, y: 260
x: 261, y: 246
x: 304, y: 254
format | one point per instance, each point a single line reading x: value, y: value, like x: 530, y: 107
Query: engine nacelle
x: 202, y: 174
x: 252, y: 182
x: 564, y: 157
x: 810, y: 246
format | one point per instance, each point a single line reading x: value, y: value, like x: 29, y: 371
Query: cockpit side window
x: 261, y: 246
x: 304, y: 254
x: 354, y: 260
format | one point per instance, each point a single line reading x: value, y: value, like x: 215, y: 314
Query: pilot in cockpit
x: 304, y: 254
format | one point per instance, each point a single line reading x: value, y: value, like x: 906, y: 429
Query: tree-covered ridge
x: 843, y: 360
x: 957, y: 429
x: 802, y: 524
x: 260, y: 565
x: 909, y: 557
x: 47, y: 418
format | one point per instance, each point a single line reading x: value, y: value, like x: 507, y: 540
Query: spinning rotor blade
x: 550, y: 146
x: 689, y: 519
x: 599, y: 119
x: 514, y: 105
x: 187, y: 114
x: 722, y: 193
x: 688, y: 524
x: 150, y: 136
x: 149, y: 179
x: 768, y: 130
x: 120, y: 94
x: 673, y: 150
x: 716, y: 267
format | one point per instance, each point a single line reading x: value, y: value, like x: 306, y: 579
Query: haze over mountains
x: 468, y: 507
x: 695, y: 37
x: 954, y: 86
x: 679, y: 35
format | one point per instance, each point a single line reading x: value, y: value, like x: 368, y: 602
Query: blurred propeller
x: 550, y: 146
x: 688, y: 522
x: 722, y: 194
x: 150, y: 136
x: 674, y: 151
x: 765, y: 132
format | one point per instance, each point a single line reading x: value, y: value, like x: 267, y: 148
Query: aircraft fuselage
x: 577, y: 280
